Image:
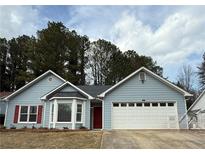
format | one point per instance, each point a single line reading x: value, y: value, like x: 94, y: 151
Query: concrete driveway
x: 153, y: 139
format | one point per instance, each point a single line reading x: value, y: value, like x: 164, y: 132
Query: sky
x: 172, y: 35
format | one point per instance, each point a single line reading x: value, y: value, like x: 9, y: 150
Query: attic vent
x: 142, y: 76
x: 50, y: 79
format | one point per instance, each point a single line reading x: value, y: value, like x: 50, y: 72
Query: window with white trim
x: 146, y: 104
x: 79, y: 113
x: 170, y: 104
x: 131, y: 104
x: 64, y: 112
x: 32, y: 113
x: 123, y: 104
x: 24, y: 114
x: 28, y: 114
x: 115, y: 104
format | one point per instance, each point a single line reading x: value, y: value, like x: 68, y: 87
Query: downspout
x: 182, y: 117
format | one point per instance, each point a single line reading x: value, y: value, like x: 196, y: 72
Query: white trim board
x: 32, y: 82
x: 196, y: 101
x: 64, y: 84
x: 151, y: 73
x: 78, y: 98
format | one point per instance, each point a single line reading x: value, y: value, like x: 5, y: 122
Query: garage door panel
x: 150, y: 117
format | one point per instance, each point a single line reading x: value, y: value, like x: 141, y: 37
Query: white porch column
x: 83, y: 112
x: 73, y: 113
x: 44, y: 112
x: 55, y: 113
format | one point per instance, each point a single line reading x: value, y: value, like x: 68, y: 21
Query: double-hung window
x: 79, y: 113
x: 24, y: 114
x: 32, y: 113
x: 28, y: 114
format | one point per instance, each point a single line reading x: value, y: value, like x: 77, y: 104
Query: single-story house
x: 142, y: 100
x: 196, y: 113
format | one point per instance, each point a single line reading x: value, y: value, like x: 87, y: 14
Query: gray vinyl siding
x: 31, y: 96
x: 133, y: 90
x: 68, y: 89
x: 47, y: 113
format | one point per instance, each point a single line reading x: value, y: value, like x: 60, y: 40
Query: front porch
x: 75, y: 113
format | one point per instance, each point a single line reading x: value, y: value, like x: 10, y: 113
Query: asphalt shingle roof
x: 94, y: 90
x: 67, y: 94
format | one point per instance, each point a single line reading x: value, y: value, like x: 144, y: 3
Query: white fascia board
x: 169, y: 83
x: 57, y: 76
x: 117, y: 84
x: 44, y: 96
x: 33, y: 81
x: 203, y: 92
x: 67, y: 98
x: 153, y: 74
x: 89, y: 96
x: 67, y: 82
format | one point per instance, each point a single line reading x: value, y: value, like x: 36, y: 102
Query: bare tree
x: 186, y: 77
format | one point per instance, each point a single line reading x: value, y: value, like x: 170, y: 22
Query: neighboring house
x: 196, y: 113
x: 143, y: 100
x: 3, y: 106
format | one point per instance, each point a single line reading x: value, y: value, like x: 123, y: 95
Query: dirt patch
x: 43, y: 139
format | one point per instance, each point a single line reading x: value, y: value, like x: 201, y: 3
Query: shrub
x: 12, y: 127
x: 83, y: 127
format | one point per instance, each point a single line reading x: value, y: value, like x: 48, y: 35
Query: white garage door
x: 149, y: 115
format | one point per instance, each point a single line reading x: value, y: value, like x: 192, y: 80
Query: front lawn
x: 50, y: 139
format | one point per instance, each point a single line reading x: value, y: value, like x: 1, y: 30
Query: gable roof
x: 32, y: 82
x: 94, y: 90
x: 154, y: 75
x: 62, y: 86
x: 197, y: 100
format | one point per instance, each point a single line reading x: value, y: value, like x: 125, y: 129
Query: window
x: 142, y: 76
x: 52, y: 112
x: 64, y: 112
x: 146, y: 104
x: 131, y: 104
x: 170, y: 104
x: 154, y: 104
x: 79, y: 113
x: 123, y: 104
x: 139, y: 104
x: 24, y: 114
x: 32, y: 113
x: 163, y: 104
x: 115, y: 104
x: 28, y: 114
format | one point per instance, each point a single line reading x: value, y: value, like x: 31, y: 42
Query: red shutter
x: 39, y: 117
x: 16, y: 114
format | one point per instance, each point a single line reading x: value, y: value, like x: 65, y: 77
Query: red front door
x: 97, y: 117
